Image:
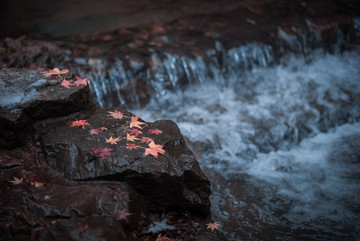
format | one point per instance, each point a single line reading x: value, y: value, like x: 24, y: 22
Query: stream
x: 279, y: 140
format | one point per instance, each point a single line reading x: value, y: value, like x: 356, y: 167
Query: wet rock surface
x: 172, y: 180
x: 27, y: 96
x: 42, y: 205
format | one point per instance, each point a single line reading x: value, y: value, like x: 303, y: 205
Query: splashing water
x: 281, y: 145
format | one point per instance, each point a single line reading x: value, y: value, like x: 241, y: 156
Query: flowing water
x: 280, y: 142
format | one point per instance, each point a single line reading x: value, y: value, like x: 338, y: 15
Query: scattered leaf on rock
x: 80, y: 123
x: 116, y: 114
x: 154, y: 149
x: 79, y: 81
x: 112, y: 140
x: 213, y: 226
x: 66, y: 83
x: 155, y: 131
x: 17, y: 181
x: 135, y: 122
x: 123, y: 214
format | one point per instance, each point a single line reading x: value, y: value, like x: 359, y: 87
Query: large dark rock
x: 171, y: 181
x: 43, y: 206
x: 27, y: 96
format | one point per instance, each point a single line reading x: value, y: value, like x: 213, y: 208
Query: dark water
x: 279, y: 142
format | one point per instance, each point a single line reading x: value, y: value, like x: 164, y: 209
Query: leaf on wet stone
x: 116, y: 114
x: 213, y: 226
x: 37, y: 184
x: 131, y: 138
x: 79, y: 81
x: 80, y: 123
x: 135, y: 122
x: 112, y: 140
x: 66, y: 83
x: 123, y: 214
x: 102, y: 152
x: 146, y: 140
x: 131, y: 146
x: 47, y: 197
x: 55, y: 71
x: 135, y: 132
x: 17, y: 181
x: 155, y: 131
x: 154, y: 149
x: 97, y: 131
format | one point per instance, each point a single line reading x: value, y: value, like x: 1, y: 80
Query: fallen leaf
x: 17, y: 181
x: 135, y: 132
x: 146, y: 140
x: 164, y: 238
x: 112, y: 140
x: 66, y: 83
x: 104, y: 152
x: 123, y: 214
x: 131, y: 138
x: 213, y: 226
x: 47, y: 197
x: 116, y: 114
x: 154, y: 149
x: 82, y: 229
x: 80, y: 123
x: 56, y: 71
x: 97, y: 131
x: 131, y: 146
x: 155, y: 131
x: 80, y: 81
x: 37, y: 184
x: 135, y: 122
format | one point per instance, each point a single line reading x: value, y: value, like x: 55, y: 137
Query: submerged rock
x: 171, y: 181
x: 27, y: 96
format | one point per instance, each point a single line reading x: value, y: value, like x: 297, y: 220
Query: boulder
x: 41, y: 205
x: 98, y: 146
x: 27, y: 96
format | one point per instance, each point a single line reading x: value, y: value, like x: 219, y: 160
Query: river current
x: 280, y: 144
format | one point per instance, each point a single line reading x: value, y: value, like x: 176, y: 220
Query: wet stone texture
x: 27, y: 96
x: 44, y: 206
x: 171, y: 181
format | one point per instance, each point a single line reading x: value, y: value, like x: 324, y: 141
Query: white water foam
x: 295, y: 126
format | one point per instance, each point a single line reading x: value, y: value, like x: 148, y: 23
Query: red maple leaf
x: 97, y: 131
x: 80, y: 123
x: 66, y: 83
x: 135, y: 122
x: 131, y: 146
x: 102, y: 152
x: 135, y: 132
x: 80, y: 81
x: 146, y: 140
x: 116, y: 114
x: 155, y: 131
x: 154, y: 149
x: 123, y: 214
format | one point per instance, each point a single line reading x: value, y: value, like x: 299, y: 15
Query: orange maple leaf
x: 17, y: 181
x: 112, y: 140
x: 66, y: 83
x: 154, y: 149
x: 135, y: 122
x: 131, y: 138
x: 55, y: 71
x: 80, y: 81
x: 213, y: 226
x: 80, y: 123
x: 116, y: 114
x: 146, y: 140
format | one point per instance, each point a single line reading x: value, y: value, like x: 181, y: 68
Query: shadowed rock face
x: 27, y: 96
x: 44, y: 206
x: 171, y: 181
